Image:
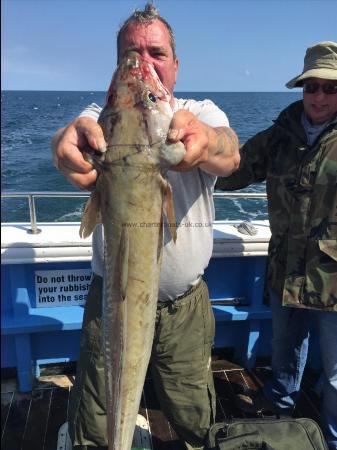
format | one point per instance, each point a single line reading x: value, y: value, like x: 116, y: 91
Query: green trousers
x: 180, y: 367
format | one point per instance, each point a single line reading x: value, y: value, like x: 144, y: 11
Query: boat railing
x: 32, y: 196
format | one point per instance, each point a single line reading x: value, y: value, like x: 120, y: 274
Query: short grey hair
x: 146, y: 16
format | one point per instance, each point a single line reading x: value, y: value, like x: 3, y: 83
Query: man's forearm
x: 223, y: 151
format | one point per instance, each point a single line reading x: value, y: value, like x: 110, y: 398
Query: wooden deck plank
x: 35, y: 432
x: 16, y: 422
x: 261, y: 374
x: 223, y: 364
x: 33, y: 418
x: 225, y: 397
x: 57, y: 416
x: 6, y: 400
x: 239, y: 381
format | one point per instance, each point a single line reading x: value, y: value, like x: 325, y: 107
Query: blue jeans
x: 291, y: 327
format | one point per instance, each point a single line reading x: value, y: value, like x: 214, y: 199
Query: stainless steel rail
x: 31, y: 196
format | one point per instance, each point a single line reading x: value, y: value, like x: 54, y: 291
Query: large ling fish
x: 130, y: 198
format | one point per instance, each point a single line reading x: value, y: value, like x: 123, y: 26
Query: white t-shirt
x: 184, y: 262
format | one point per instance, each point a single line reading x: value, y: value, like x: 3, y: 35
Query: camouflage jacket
x: 301, y: 184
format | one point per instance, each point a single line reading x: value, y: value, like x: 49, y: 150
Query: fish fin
x: 91, y: 216
x: 124, y: 263
x: 168, y: 208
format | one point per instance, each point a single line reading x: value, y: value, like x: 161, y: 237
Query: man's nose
x: 148, y: 58
x: 320, y: 95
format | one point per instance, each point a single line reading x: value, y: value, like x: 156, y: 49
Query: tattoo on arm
x: 227, y: 141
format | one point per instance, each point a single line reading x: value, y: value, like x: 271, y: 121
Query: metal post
x: 32, y: 214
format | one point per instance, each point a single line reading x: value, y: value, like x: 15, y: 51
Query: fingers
x: 187, y: 128
x: 182, y: 119
x: 80, y: 174
x: 175, y: 134
x: 68, y: 157
x: 83, y: 181
x: 195, y: 155
x: 89, y: 132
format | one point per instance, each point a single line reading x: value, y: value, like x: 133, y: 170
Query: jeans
x: 291, y: 328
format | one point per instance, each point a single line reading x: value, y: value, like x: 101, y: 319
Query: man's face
x: 320, y: 107
x: 152, y: 42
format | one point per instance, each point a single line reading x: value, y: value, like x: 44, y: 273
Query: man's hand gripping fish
x: 130, y: 198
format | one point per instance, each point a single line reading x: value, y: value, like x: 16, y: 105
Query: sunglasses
x: 313, y: 87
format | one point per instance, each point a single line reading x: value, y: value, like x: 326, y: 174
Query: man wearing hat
x: 297, y: 157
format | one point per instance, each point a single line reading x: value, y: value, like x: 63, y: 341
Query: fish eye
x: 152, y: 97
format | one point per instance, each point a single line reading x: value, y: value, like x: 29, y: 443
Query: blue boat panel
x: 250, y: 339
x: 230, y: 277
x: 266, y: 336
x: 226, y: 313
x: 5, y: 291
x: 237, y: 277
x: 34, y: 336
x: 8, y: 353
x: 58, y: 345
x: 228, y: 334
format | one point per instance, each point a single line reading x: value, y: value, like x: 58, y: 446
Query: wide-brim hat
x: 320, y: 62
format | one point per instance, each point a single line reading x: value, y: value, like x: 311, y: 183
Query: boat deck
x: 31, y: 421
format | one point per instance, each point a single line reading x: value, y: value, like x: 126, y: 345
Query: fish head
x: 138, y: 113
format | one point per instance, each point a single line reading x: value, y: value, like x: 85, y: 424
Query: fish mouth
x: 133, y: 71
x: 138, y: 68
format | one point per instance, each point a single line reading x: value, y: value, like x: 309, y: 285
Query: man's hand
x: 214, y: 150
x: 67, y: 156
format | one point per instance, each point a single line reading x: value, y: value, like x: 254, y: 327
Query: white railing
x: 31, y: 196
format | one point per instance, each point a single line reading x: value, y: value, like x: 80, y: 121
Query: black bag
x: 267, y: 434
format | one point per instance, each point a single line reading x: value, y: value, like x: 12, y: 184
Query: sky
x: 222, y: 45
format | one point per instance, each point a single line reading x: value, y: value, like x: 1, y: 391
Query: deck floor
x: 30, y: 421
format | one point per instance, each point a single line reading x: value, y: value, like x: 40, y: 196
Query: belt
x: 165, y: 303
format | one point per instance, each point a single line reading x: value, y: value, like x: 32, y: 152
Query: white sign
x: 61, y: 287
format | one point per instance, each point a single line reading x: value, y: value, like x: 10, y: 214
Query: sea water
x: 30, y: 118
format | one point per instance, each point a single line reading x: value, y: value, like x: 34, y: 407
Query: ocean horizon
x: 176, y: 92
x: 30, y: 118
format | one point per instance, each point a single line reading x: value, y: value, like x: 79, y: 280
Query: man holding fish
x: 183, y: 322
